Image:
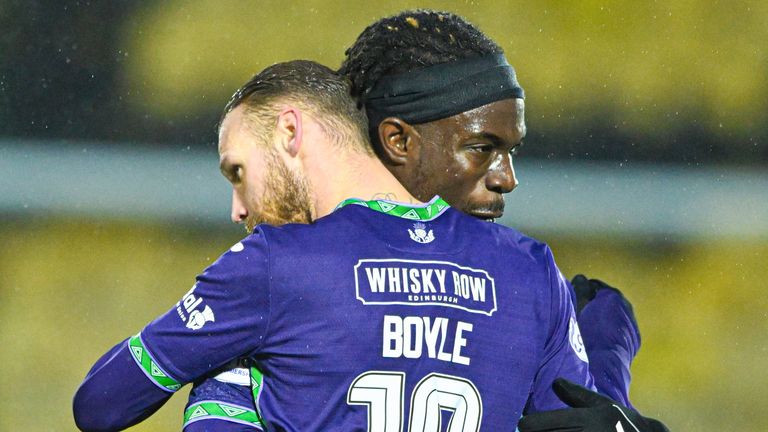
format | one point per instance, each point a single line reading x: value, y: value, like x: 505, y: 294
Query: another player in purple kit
x: 379, y: 314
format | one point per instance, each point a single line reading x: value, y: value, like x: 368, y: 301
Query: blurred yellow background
x: 71, y: 287
x: 645, y: 65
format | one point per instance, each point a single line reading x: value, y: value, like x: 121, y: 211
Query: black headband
x: 442, y: 90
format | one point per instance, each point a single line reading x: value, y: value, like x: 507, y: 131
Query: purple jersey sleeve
x: 224, y: 316
x: 564, y: 354
x: 612, y: 339
x: 100, y: 405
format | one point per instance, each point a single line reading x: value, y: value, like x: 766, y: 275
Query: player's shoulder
x: 316, y: 227
x: 247, y: 255
x: 505, y: 240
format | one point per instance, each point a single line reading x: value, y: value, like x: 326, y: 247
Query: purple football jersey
x: 378, y: 317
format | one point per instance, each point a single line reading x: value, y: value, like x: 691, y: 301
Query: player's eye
x: 236, y: 173
x: 481, y: 147
x: 233, y: 173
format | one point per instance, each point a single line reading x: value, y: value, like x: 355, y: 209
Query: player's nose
x: 239, y: 212
x: 501, y: 176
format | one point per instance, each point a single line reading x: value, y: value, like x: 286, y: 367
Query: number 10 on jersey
x: 384, y: 394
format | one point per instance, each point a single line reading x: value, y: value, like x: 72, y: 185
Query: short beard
x: 286, y: 197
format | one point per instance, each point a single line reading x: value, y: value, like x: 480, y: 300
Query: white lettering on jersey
x: 464, y: 285
x: 422, y: 283
x: 406, y: 337
x: 188, y: 312
x: 405, y: 280
x: 237, y: 376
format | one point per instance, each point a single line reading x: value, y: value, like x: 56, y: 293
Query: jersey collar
x: 419, y: 212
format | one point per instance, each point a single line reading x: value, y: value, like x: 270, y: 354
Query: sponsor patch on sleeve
x: 237, y: 375
x: 574, y: 337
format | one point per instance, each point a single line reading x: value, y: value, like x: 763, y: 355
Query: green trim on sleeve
x: 151, y: 369
x: 257, y: 384
x: 213, y: 410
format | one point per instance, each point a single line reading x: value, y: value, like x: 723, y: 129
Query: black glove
x: 590, y: 412
x: 586, y: 291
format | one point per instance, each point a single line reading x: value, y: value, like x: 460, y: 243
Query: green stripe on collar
x: 419, y: 212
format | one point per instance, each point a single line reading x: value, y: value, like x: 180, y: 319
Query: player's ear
x: 398, y: 140
x: 288, y: 131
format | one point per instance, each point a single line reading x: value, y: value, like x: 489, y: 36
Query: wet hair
x: 408, y: 41
x: 310, y: 86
